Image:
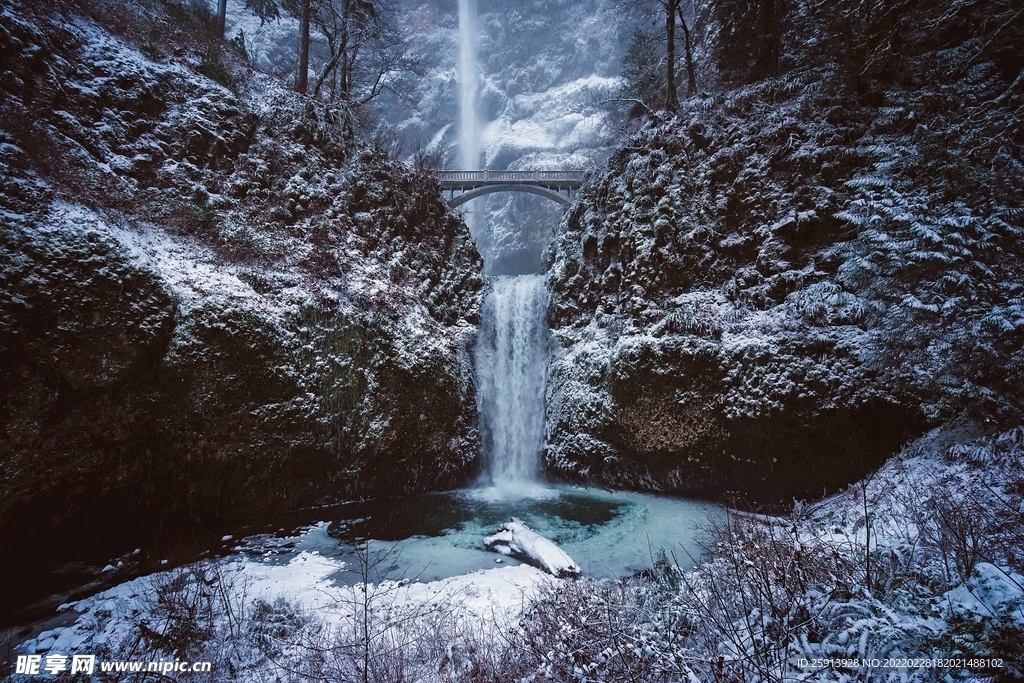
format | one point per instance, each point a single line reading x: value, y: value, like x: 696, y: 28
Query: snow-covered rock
x: 516, y: 539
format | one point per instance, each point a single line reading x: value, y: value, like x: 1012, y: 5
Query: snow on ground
x: 190, y: 269
x: 949, y: 504
x: 933, y: 465
x: 308, y: 583
x: 990, y: 591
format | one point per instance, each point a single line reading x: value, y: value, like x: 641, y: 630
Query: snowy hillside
x: 797, y: 291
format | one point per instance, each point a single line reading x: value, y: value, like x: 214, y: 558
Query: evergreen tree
x: 643, y: 84
x: 749, y: 38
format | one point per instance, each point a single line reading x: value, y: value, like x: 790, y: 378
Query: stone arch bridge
x: 461, y: 186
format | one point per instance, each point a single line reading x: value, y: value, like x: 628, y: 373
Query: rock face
x: 770, y: 293
x: 212, y: 309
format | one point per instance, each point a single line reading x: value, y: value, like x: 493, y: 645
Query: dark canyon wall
x: 771, y: 290
x: 212, y: 308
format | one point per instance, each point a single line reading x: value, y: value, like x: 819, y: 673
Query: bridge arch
x: 460, y: 199
x: 472, y: 184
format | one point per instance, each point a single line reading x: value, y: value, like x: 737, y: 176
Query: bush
x: 213, y: 65
x: 273, y: 624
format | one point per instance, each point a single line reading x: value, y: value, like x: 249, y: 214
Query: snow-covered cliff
x: 773, y: 290
x: 211, y: 309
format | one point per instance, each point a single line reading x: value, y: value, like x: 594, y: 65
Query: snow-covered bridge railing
x: 461, y: 186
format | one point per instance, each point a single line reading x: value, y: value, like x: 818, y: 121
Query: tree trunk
x: 222, y: 12
x: 348, y: 54
x: 328, y: 69
x: 691, y: 73
x: 343, y: 50
x: 671, y: 98
x: 768, y: 60
x: 302, y: 78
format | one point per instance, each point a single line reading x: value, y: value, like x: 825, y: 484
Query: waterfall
x: 469, y: 129
x: 511, y: 353
x: 511, y: 361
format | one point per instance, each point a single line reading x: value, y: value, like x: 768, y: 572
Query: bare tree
x: 671, y: 13
x: 366, y: 51
x: 366, y: 54
x: 691, y: 72
x: 268, y: 10
x: 347, y: 26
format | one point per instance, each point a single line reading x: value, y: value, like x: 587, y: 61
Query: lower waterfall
x: 511, y: 361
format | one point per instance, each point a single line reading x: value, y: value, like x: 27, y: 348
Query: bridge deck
x: 566, y: 180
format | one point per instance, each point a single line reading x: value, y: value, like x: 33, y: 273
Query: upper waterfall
x: 469, y: 120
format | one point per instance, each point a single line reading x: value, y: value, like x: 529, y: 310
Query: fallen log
x: 517, y: 540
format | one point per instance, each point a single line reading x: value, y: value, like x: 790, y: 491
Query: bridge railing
x: 511, y: 176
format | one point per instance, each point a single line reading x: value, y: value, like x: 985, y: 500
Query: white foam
x: 511, y: 360
x: 513, y: 490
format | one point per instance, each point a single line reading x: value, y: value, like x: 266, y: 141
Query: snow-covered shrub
x: 183, y: 615
x: 213, y: 65
x: 985, y: 617
x: 273, y: 625
x: 776, y: 594
x: 700, y: 317
x: 949, y: 516
x: 749, y: 607
x: 606, y: 631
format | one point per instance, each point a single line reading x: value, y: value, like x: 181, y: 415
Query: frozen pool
x: 438, y: 535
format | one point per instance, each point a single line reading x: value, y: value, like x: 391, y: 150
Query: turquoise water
x: 440, y: 535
